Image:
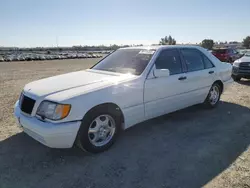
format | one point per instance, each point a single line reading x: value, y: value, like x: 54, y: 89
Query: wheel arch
x: 111, y: 107
x: 220, y: 84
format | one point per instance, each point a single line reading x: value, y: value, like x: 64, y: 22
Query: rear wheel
x: 236, y: 78
x: 98, y: 131
x: 213, y: 97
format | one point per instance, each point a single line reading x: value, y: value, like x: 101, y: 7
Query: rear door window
x: 208, y: 64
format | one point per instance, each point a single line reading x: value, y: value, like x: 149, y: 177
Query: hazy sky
x: 29, y: 23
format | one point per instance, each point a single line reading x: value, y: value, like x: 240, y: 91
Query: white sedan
x: 131, y: 85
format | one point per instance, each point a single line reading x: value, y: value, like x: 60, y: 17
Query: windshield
x: 247, y: 53
x: 132, y: 61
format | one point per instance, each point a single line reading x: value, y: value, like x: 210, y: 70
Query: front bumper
x: 61, y: 135
x: 244, y: 73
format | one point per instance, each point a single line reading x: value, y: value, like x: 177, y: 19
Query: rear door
x: 200, y: 74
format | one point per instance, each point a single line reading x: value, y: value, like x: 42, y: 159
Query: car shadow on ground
x: 244, y: 82
x: 187, y: 148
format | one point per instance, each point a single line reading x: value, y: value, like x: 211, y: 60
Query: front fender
x: 125, y: 95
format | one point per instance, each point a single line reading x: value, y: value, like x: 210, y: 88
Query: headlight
x: 236, y: 64
x: 52, y: 110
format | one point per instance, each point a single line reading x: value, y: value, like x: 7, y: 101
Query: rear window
x: 220, y: 51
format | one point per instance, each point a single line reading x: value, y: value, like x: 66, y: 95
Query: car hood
x: 244, y: 59
x: 88, y: 79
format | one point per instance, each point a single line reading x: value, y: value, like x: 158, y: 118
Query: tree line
x: 209, y: 43
x: 206, y: 43
x: 167, y: 40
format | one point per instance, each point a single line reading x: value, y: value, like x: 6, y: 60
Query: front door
x: 165, y: 94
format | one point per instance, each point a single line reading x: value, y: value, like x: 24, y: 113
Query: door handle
x: 210, y: 72
x: 182, y: 78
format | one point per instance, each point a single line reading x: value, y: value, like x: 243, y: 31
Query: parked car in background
x: 43, y: 57
x: 55, y: 56
x: 16, y: 58
x: 135, y: 84
x: 241, y: 52
x: 39, y: 57
x: 21, y: 58
x: 1, y: 59
x: 9, y: 58
x: 48, y: 57
x: 241, y: 67
x: 35, y: 57
x: 226, y: 54
x: 29, y: 58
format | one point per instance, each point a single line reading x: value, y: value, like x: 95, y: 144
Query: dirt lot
x: 190, y: 148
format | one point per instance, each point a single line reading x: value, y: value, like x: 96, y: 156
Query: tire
x: 236, y: 78
x: 212, y: 101
x: 86, y: 139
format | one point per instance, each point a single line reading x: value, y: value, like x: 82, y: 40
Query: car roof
x: 158, y: 47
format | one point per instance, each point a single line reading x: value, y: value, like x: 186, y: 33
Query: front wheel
x: 213, y: 97
x: 98, y: 131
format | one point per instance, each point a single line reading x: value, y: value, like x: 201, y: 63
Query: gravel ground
x: 193, y: 147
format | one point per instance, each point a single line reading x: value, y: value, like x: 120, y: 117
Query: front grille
x: 27, y: 104
x: 244, y: 67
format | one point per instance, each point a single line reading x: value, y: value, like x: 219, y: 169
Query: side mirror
x: 161, y: 72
